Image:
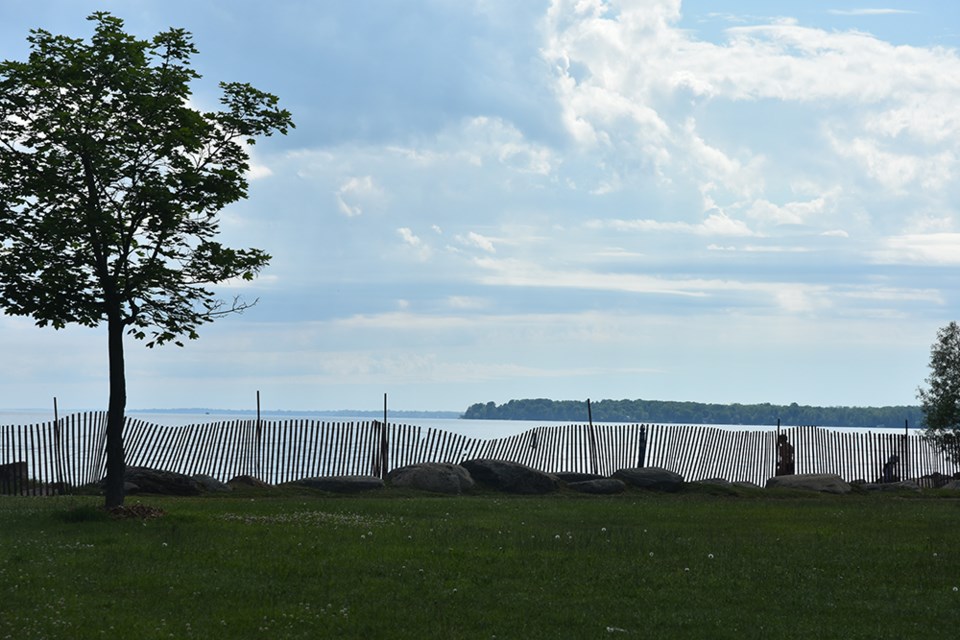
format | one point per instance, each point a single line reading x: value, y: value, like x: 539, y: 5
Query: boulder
x: 209, y: 483
x: 934, y: 480
x: 168, y: 483
x: 905, y: 485
x: 248, y: 482
x: 577, y: 476
x: 652, y: 478
x: 953, y: 485
x: 13, y: 474
x: 719, y: 482
x: 432, y: 476
x: 511, y: 477
x: 342, y: 484
x: 600, y: 486
x: 822, y: 482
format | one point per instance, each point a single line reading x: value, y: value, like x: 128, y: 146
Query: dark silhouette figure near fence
x: 891, y: 470
x: 785, y: 457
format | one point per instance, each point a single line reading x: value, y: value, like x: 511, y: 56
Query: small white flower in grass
x: 710, y: 556
x: 956, y: 588
x: 363, y: 537
x: 651, y: 554
x: 603, y: 529
x: 556, y: 537
x: 164, y: 544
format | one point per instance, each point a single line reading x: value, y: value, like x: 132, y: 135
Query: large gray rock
x: 432, y: 476
x: 511, y: 477
x: 934, y: 480
x: 822, y: 482
x: 600, y: 486
x: 953, y: 485
x: 247, y: 482
x: 716, y: 482
x: 13, y: 474
x: 577, y: 476
x: 209, y: 483
x: 903, y: 485
x: 342, y: 484
x: 168, y: 483
x: 652, y: 478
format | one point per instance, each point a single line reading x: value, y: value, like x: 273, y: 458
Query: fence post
x: 593, y: 440
x: 259, y: 441
x: 383, y: 442
x: 906, y: 450
x: 58, y: 449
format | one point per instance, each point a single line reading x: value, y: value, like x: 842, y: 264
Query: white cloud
x: 354, y: 192
x: 789, y: 213
x: 258, y: 171
x: 868, y: 12
x: 716, y: 223
x: 421, y: 250
x: 474, y: 239
x: 896, y: 171
x: 623, y: 69
x: 467, y: 302
x: 800, y: 299
x: 930, y: 249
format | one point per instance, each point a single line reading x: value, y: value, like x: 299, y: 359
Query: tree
x: 110, y: 187
x: 940, y: 403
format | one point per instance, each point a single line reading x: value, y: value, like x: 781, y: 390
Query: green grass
x: 402, y: 565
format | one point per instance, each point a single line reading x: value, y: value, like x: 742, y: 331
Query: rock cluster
x: 822, y: 482
x: 500, y: 475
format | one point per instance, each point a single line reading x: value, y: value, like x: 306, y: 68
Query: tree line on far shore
x: 657, y: 411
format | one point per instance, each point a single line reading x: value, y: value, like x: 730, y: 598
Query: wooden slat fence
x: 54, y: 456
x: 47, y: 457
x: 702, y: 453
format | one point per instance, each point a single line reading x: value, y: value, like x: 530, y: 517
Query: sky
x: 713, y: 201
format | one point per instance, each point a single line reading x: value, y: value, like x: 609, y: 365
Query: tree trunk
x: 116, y: 466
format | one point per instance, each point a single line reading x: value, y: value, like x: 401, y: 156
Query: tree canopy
x: 640, y: 411
x: 940, y: 401
x: 110, y: 187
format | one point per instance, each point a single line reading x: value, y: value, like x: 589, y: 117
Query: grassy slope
x: 414, y: 566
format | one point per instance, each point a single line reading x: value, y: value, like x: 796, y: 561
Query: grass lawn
x: 403, y: 565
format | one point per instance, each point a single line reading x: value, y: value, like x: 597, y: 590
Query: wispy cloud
x: 868, y: 12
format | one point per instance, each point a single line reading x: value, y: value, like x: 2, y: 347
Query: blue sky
x: 715, y: 201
